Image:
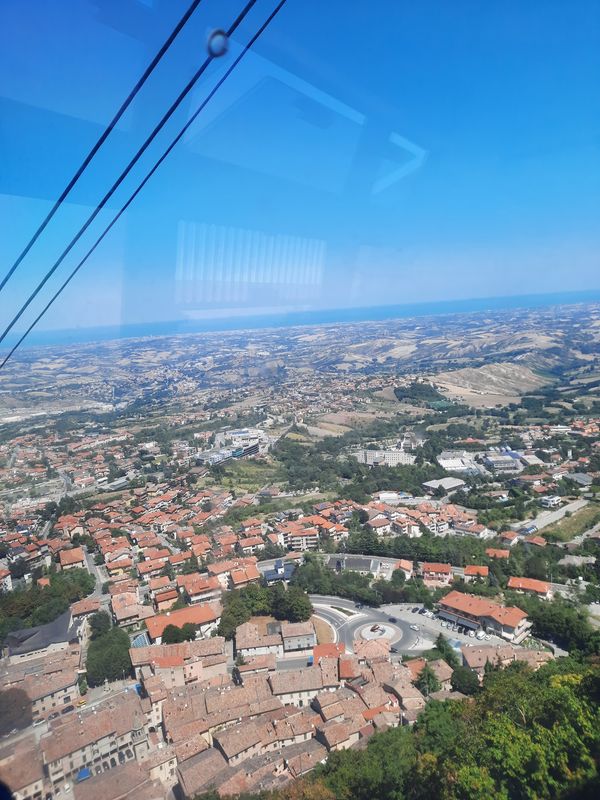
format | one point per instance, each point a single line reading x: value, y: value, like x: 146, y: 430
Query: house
x: 239, y: 743
x: 84, y: 608
x: 435, y: 574
x: 380, y: 525
x: 475, y: 572
x: 128, y: 781
x: 250, y: 642
x: 111, y: 733
x: 298, y: 636
x: 199, y: 588
x: 5, y: 581
x: 205, y: 617
x: 165, y: 599
x: 201, y: 772
x: 52, y: 692
x: 22, y: 769
x: 72, y: 559
x: 476, y: 657
x: 406, y: 567
x: 494, y: 552
x: 182, y: 663
x: 551, y: 501
x: 250, y: 544
x: 475, y: 612
x: 538, y: 588
x: 281, y: 573
x: 340, y: 735
x: 441, y: 670
x: 297, y: 686
x: 244, y: 576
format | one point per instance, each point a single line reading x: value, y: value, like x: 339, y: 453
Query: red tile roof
x: 528, y: 585
x: 196, y: 615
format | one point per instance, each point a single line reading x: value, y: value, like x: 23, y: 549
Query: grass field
x: 569, y: 527
x: 249, y: 475
x: 323, y: 630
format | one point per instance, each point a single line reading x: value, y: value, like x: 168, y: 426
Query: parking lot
x: 430, y: 625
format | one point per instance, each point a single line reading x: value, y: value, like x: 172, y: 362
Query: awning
x: 83, y: 774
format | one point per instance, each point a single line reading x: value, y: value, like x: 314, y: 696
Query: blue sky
x: 363, y: 154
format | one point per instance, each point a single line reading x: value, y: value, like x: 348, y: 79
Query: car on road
x: 392, y: 619
x: 393, y: 649
x: 414, y: 627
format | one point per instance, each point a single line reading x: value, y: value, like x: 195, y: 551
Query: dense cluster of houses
x: 195, y: 722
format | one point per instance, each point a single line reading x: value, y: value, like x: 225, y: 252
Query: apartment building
x: 21, y: 768
x: 474, y: 612
x: 53, y: 692
x: 96, y: 740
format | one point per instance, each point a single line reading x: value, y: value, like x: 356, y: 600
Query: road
x: 577, y: 541
x: 96, y: 571
x: 347, y: 626
x: 546, y: 518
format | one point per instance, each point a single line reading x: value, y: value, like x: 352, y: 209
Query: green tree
x: 99, y: 624
x: 427, y: 682
x: 445, y: 649
x: 464, y: 680
x: 172, y: 635
x: 108, y: 657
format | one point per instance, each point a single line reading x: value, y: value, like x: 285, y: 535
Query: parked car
x: 37, y: 722
x: 422, y: 611
x: 414, y: 610
x: 480, y: 635
x: 472, y: 634
x: 53, y: 715
x: 66, y: 709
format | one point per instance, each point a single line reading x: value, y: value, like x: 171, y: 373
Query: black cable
x: 179, y: 136
x: 103, y: 138
x: 185, y: 91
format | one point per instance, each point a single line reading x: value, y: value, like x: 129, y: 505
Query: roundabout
x: 350, y: 621
x: 377, y: 631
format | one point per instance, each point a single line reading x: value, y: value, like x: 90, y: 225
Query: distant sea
x: 300, y: 318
